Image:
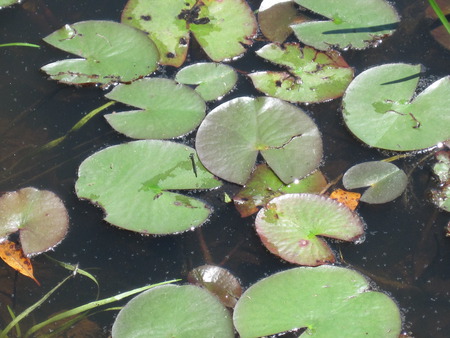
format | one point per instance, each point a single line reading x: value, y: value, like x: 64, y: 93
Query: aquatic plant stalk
x: 440, y: 14
x: 19, y: 44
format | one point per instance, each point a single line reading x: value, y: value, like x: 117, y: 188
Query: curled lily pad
x: 264, y: 185
x: 38, y: 215
x: 327, y: 301
x: 111, y: 53
x: 379, y: 108
x: 222, y: 28
x: 312, y: 76
x: 133, y: 183
x: 351, y: 24
x: 289, y: 225
x: 385, y: 180
x: 218, y: 281
x: 231, y: 135
x: 167, y: 110
x: 174, y: 311
x: 213, y: 80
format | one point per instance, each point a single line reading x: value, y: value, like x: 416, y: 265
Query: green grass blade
x: 440, y: 14
x: 13, y: 316
x: 19, y: 44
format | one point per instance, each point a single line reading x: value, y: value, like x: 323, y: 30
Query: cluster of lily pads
x: 138, y: 183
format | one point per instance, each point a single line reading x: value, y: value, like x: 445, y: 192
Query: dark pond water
x: 405, y: 252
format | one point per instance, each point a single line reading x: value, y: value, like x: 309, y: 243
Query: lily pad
x: 264, y: 185
x: 174, y: 311
x: 5, y: 3
x: 379, y: 108
x: 327, y: 301
x: 219, y: 281
x: 167, y: 110
x: 289, y: 225
x: 222, y: 28
x: 111, y: 53
x: 38, y: 215
x: 352, y: 24
x: 213, y: 80
x: 312, y: 76
x: 132, y: 182
x: 231, y: 136
x: 385, y: 180
x: 441, y: 196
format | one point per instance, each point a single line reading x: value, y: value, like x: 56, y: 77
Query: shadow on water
x: 405, y: 252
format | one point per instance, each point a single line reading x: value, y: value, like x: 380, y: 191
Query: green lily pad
x: 327, y: 301
x: 312, y: 76
x: 222, y: 28
x: 219, y: 281
x: 264, y: 185
x: 132, y: 183
x: 231, y: 136
x: 379, y: 108
x: 289, y: 225
x: 385, y: 180
x: 213, y: 80
x: 173, y: 311
x: 352, y: 24
x: 441, y: 196
x: 111, y: 53
x: 5, y: 3
x: 38, y: 215
x: 167, y: 110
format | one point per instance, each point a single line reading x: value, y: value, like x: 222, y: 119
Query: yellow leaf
x: 348, y: 198
x: 13, y: 255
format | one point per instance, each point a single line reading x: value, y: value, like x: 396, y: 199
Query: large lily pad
x: 379, y: 108
x: 289, y: 225
x: 230, y: 137
x: 132, y: 182
x: 38, y: 215
x: 213, y: 80
x: 173, y: 311
x: 312, y: 76
x: 111, y: 53
x: 264, y: 185
x: 222, y: 28
x: 352, y: 24
x: 327, y: 301
x: 167, y: 110
x: 385, y: 180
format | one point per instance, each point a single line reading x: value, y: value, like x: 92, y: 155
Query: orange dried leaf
x: 348, y: 198
x: 13, y: 255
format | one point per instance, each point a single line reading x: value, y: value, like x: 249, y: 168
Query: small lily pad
x: 213, y: 80
x: 232, y: 134
x: 133, y: 183
x: 312, y: 76
x: 264, y: 185
x: 385, y: 180
x: 5, y: 3
x: 327, y: 301
x: 379, y: 108
x: 441, y: 196
x: 289, y: 225
x: 38, y: 215
x: 351, y: 24
x: 167, y: 110
x: 111, y: 53
x: 174, y: 311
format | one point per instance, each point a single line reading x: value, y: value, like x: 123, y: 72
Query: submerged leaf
x: 230, y: 137
x: 111, y: 53
x: 289, y: 225
x: 12, y: 254
x: 328, y: 301
x: 132, y: 182
x: 312, y: 76
x: 167, y: 110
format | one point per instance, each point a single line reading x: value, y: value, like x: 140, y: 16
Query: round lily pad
x: 167, y: 109
x: 174, y: 311
x: 132, y: 182
x: 290, y: 224
x: 327, y: 301
x: 232, y: 134
x: 385, y: 180
x: 38, y: 215
x: 379, y: 108
x: 111, y: 53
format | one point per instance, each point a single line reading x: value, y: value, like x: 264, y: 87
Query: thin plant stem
x: 440, y: 14
x: 19, y: 44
